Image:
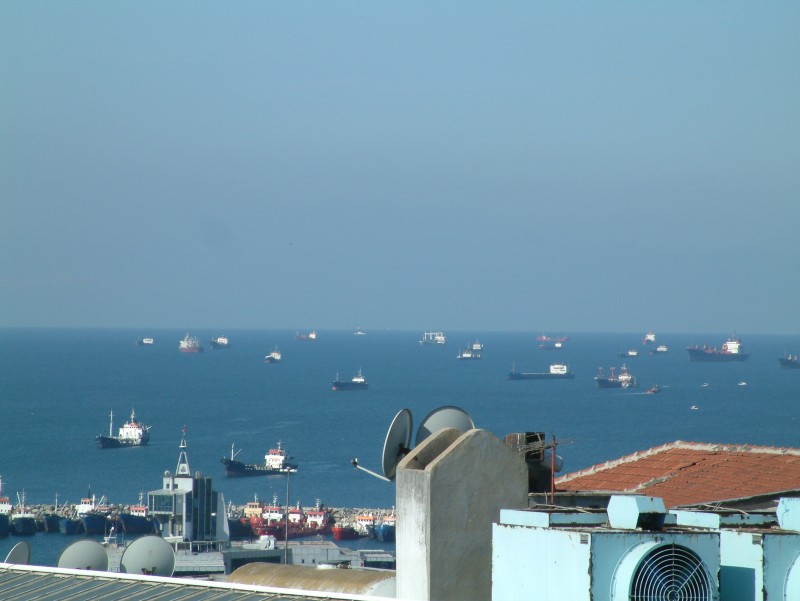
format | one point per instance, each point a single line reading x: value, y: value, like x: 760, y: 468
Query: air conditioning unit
x: 627, y: 553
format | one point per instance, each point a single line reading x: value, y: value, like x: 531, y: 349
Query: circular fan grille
x: 671, y: 573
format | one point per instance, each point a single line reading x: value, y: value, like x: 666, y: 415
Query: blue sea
x: 57, y: 387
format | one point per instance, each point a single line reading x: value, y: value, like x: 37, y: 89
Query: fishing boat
x: 789, y: 361
x: 433, y: 338
x: 273, y: 357
x: 557, y: 371
x: 131, y: 434
x: 623, y: 380
x: 190, y: 344
x: 220, y: 343
x: 732, y: 350
x: 21, y: 520
x: 276, y: 461
x: 358, y: 382
x: 385, y: 528
x: 136, y: 519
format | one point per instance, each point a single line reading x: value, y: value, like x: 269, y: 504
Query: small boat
x: 660, y: 350
x: 359, y: 332
x: 433, y: 338
x: 274, y: 357
x: 190, y: 344
x: 551, y: 344
x: 357, y: 383
x: 385, y: 529
x: 789, y: 361
x: 694, y: 407
x: 145, y: 342
x: 312, y: 335
x: 477, y: 345
x: 131, y: 434
x: 276, y: 461
x: 629, y: 353
x: 557, y: 371
x: 623, y: 380
x: 649, y: 338
x: 469, y: 353
x: 654, y: 389
x: 220, y: 343
x: 742, y: 383
x: 732, y: 350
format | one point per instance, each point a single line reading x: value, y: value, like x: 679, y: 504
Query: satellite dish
x: 444, y: 417
x: 149, y: 555
x: 395, y: 447
x: 84, y: 555
x: 20, y: 554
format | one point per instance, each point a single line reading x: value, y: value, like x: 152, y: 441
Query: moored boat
x: 276, y: 461
x: 190, y: 344
x: 346, y: 532
x: 732, y: 350
x: 557, y: 371
x: 22, y: 522
x: 623, y: 380
x: 385, y: 528
x: 357, y: 383
x: 131, y: 434
x: 789, y: 361
x: 220, y: 343
x: 136, y: 519
x: 5, y: 512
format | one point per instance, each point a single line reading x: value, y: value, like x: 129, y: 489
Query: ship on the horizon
x: 276, y: 461
x: 433, y: 338
x: 623, y: 380
x: 190, y: 344
x: 789, y: 361
x: 649, y: 338
x: 557, y: 371
x: 470, y: 352
x: 551, y: 344
x: 312, y: 335
x: 357, y: 383
x: 131, y: 434
x: 145, y: 341
x: 732, y: 350
x: 220, y: 343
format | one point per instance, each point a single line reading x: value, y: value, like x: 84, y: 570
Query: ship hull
x: 192, y: 350
x: 239, y: 529
x: 789, y: 363
x: 711, y: 356
x: 606, y: 383
x: 385, y: 533
x: 51, y: 522
x: 23, y: 526
x: 137, y: 524
x: 94, y: 523
x: 237, y: 469
x: 5, y: 525
x: 112, y: 442
x: 70, y: 526
x: 348, y: 386
x: 346, y: 533
x: 219, y: 346
x: 518, y: 375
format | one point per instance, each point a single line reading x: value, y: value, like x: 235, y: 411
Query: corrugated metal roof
x: 684, y: 473
x: 21, y: 583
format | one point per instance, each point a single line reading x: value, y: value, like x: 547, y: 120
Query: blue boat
x: 70, y: 526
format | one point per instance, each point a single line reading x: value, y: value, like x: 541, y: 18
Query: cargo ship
x: 789, y: 362
x: 623, y: 380
x: 131, y: 434
x: 357, y: 383
x: 557, y: 371
x: 732, y: 350
x: 190, y: 344
x: 469, y: 352
x: 220, y: 343
x: 433, y: 338
x: 276, y: 461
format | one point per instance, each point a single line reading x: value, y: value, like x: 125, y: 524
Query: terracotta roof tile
x: 688, y: 472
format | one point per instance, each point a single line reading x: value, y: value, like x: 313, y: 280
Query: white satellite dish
x: 20, y: 554
x: 444, y: 417
x: 395, y: 447
x: 84, y: 555
x: 149, y: 555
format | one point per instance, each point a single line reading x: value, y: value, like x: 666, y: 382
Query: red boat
x: 272, y: 522
x: 345, y: 532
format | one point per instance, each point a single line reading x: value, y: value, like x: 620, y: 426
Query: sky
x: 524, y: 166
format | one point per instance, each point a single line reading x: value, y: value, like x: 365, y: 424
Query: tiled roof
x: 684, y: 473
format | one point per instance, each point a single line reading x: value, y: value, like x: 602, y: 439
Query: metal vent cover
x: 672, y: 573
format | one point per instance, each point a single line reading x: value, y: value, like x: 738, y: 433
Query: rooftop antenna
x: 183, y: 459
x: 84, y: 555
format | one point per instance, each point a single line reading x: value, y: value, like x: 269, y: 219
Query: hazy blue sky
x: 543, y: 166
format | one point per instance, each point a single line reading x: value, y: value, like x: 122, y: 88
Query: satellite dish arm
x: 370, y: 472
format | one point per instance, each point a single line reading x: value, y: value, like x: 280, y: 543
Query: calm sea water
x: 58, y: 386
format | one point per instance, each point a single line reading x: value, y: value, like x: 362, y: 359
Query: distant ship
x: 660, y: 349
x: 357, y: 383
x: 629, y: 353
x: 789, y: 362
x: 558, y: 371
x: 145, y: 342
x: 190, y: 344
x: 477, y: 345
x: 276, y: 461
x: 469, y: 353
x: 220, y: 343
x: 649, y: 338
x: 359, y: 332
x: 131, y: 434
x: 312, y: 335
x: 551, y: 344
x: 433, y: 338
x: 274, y: 357
x: 732, y: 350
x: 623, y: 380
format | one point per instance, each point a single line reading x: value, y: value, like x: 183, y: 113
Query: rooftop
x: 689, y: 473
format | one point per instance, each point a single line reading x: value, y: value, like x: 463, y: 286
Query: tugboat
x: 789, y: 362
x: 274, y: 357
x: 131, y: 434
x: 433, y: 338
x: 276, y: 461
x: 357, y: 383
x: 190, y: 344
x: 623, y: 380
x: 732, y: 350
x: 220, y: 343
x: 558, y: 371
